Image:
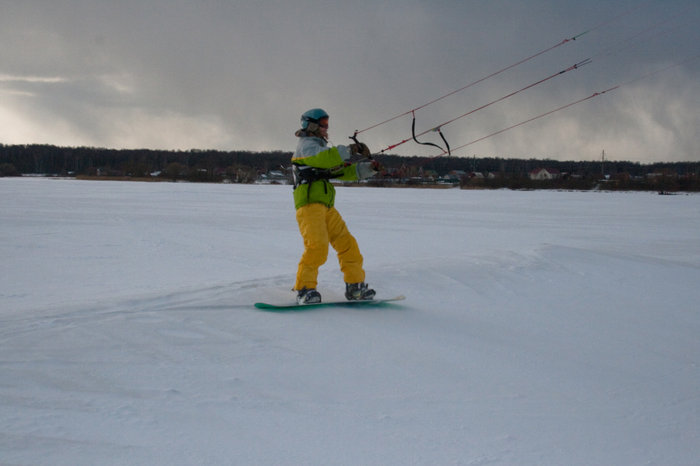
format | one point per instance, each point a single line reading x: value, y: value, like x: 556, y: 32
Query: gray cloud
x: 237, y: 75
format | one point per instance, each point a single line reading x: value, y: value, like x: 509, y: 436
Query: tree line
x: 248, y: 166
x: 194, y: 165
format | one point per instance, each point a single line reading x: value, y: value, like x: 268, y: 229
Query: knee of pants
x: 314, y: 256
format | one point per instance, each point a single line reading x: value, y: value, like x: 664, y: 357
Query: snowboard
x: 300, y: 307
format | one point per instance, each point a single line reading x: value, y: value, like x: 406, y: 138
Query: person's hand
x: 366, y: 169
x: 360, y: 149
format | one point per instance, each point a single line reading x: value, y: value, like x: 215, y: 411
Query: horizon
x: 274, y: 151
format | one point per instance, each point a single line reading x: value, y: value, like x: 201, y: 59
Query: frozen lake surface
x: 540, y: 328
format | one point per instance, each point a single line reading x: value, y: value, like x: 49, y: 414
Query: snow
x: 540, y: 328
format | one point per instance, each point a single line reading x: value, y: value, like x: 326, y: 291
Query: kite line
x: 446, y: 149
x: 595, y: 94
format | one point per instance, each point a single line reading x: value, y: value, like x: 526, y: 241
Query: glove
x: 365, y: 169
x: 360, y: 149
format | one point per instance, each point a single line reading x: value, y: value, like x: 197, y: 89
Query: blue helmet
x: 315, y: 115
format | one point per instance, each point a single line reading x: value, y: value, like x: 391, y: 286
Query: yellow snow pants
x: 320, y: 225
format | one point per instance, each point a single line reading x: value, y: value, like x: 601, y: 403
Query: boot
x: 308, y: 296
x: 358, y: 291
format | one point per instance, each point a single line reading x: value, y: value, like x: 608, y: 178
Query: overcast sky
x: 237, y: 74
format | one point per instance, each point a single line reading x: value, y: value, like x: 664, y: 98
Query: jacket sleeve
x: 312, y: 154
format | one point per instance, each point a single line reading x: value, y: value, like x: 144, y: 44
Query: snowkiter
x: 315, y: 163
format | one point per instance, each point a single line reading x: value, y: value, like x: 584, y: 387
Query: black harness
x: 303, y: 174
x: 306, y: 175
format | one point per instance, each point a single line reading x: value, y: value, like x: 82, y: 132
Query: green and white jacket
x: 319, y: 163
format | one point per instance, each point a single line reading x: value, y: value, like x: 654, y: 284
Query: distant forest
x: 250, y: 167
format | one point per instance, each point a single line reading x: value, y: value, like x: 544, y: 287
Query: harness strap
x: 308, y: 175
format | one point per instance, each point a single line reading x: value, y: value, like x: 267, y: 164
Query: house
x: 455, y: 175
x: 273, y: 177
x: 545, y: 174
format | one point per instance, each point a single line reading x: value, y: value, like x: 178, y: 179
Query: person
x: 314, y: 163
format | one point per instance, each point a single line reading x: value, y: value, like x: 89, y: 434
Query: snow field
x: 539, y: 328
